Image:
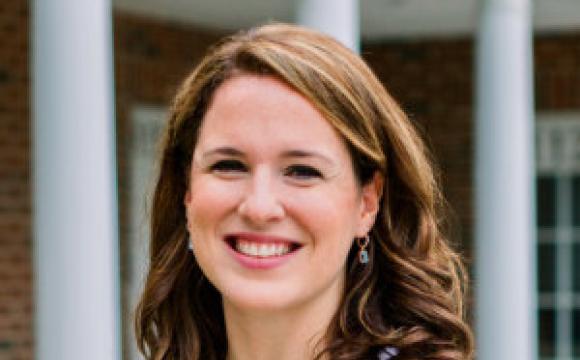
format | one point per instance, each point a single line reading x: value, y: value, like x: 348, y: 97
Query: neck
x: 294, y: 334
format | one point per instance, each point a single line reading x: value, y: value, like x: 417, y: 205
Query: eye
x: 224, y: 166
x: 303, y: 172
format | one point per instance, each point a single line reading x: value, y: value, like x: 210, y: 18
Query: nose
x: 261, y: 203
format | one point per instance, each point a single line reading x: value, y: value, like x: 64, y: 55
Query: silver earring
x: 363, y: 254
x: 189, y: 246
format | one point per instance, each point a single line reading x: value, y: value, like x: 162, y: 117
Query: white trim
x: 146, y: 122
x: 558, y: 155
x: 558, y: 134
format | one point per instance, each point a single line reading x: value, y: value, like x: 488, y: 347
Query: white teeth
x: 261, y: 250
x: 264, y: 250
x: 280, y: 249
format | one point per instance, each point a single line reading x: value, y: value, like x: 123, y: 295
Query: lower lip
x: 253, y: 262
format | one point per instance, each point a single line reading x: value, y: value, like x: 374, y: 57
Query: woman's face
x: 273, y: 204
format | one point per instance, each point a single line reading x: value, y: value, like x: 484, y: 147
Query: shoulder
x: 387, y: 353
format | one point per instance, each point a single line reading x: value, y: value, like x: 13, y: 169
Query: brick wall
x: 433, y: 80
x: 15, y: 239
x: 557, y: 72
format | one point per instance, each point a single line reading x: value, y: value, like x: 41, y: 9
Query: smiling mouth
x: 262, y: 248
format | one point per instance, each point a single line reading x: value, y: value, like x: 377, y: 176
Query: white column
x: 338, y: 18
x: 505, y: 235
x: 76, y: 272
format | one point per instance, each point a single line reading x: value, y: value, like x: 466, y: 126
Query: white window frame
x: 558, y: 155
x: 146, y: 124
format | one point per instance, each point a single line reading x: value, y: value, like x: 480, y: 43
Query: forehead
x: 254, y: 111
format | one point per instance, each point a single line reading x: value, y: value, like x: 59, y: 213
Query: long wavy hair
x: 409, y: 296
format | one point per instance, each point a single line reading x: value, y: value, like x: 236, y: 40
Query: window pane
x: 546, y: 188
x: 547, y: 332
x: 576, y: 267
x: 547, y: 267
x: 576, y: 200
x: 576, y: 331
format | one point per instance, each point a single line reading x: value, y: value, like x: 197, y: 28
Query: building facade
x: 433, y: 79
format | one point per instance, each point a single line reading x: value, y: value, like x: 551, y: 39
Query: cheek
x: 209, y: 203
x: 329, y: 215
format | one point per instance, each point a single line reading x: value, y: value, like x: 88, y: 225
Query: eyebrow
x: 305, y: 154
x: 230, y: 151
x: 226, y: 150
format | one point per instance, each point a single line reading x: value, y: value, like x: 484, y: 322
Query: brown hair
x: 411, y: 293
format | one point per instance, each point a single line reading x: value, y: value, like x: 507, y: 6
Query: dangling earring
x: 363, y: 254
x: 189, y: 246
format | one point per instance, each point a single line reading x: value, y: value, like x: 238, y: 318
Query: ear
x: 371, y: 195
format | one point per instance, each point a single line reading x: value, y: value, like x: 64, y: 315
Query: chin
x: 262, y: 298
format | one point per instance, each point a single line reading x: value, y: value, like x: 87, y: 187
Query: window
x: 146, y: 123
x: 558, y: 221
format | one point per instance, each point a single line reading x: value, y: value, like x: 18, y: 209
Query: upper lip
x: 260, y: 238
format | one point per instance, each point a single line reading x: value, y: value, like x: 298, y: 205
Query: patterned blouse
x: 388, y: 353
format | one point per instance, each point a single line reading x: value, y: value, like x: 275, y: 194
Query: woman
x: 311, y: 211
